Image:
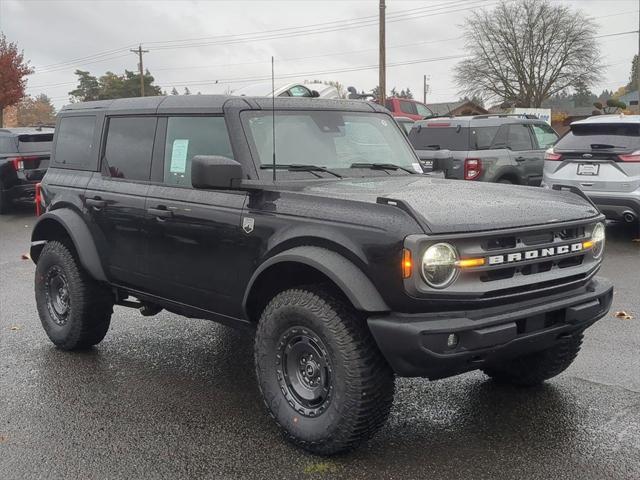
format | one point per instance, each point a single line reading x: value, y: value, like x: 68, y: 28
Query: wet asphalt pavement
x: 171, y: 398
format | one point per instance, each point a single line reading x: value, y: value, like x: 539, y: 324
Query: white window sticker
x: 179, y: 156
x: 417, y: 167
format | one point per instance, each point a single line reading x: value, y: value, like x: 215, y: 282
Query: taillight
x: 38, y: 199
x: 552, y: 156
x: 630, y: 157
x: 438, y: 124
x: 472, y: 168
x: 18, y: 162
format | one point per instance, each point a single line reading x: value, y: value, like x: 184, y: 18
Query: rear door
x: 115, y: 197
x: 597, y: 158
x: 524, y: 156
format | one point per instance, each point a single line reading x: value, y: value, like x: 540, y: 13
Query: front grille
x: 518, y: 262
x: 538, y: 251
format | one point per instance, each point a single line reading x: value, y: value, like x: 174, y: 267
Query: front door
x: 194, y: 235
x: 115, y: 198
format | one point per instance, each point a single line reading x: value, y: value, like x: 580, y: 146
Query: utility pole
x: 140, y: 51
x: 382, y: 79
x: 424, y: 89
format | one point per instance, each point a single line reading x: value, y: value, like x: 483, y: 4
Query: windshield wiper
x: 301, y: 168
x: 382, y: 166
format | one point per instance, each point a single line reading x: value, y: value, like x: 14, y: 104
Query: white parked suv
x: 601, y: 156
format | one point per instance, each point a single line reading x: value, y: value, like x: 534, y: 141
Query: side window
x: 408, y: 107
x: 299, y: 91
x: 519, y: 137
x: 545, y: 135
x: 74, y: 142
x: 388, y: 104
x: 129, y: 146
x: 188, y: 137
x: 422, y: 110
x: 484, y: 137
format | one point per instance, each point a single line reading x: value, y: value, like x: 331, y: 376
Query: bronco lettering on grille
x: 533, y: 254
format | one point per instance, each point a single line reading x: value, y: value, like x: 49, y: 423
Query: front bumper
x: 415, y: 345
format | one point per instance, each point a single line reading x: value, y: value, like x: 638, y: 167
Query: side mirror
x: 215, y: 172
x: 314, y: 94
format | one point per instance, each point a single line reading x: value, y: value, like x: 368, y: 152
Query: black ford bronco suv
x: 347, y: 263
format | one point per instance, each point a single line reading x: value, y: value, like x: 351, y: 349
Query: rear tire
x: 506, y: 181
x: 321, y: 375
x: 74, y: 309
x: 533, y: 369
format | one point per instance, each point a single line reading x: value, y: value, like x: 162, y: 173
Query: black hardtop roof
x: 480, y: 120
x: 214, y: 104
x: 26, y: 131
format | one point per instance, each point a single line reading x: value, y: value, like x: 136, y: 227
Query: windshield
x: 334, y: 140
x: 601, y: 136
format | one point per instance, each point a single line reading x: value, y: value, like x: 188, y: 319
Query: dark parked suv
x: 489, y: 148
x: 347, y: 264
x: 24, y: 158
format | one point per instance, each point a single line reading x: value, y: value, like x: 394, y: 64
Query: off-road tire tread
x: 370, y: 386
x: 91, y: 303
x: 533, y: 369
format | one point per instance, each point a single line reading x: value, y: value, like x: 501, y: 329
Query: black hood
x: 451, y: 206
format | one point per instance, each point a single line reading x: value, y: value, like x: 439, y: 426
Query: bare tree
x: 523, y: 52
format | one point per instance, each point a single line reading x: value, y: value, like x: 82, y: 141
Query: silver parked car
x: 601, y: 156
x: 490, y: 148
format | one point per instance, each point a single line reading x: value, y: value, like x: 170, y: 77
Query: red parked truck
x: 404, y: 107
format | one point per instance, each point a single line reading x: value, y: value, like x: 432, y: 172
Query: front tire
x: 535, y: 368
x: 320, y: 373
x: 74, y: 309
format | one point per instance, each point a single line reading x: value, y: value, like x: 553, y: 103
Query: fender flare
x: 80, y: 235
x: 341, y: 271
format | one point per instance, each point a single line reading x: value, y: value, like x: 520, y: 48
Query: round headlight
x: 439, y: 265
x: 597, y: 237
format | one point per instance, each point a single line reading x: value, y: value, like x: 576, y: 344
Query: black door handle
x: 96, y: 203
x: 520, y: 159
x: 160, y: 212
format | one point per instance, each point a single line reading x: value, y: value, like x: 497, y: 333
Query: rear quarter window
x: 583, y: 137
x: 440, y: 138
x: 74, y: 143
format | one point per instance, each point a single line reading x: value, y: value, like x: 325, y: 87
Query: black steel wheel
x: 304, y: 371
x: 320, y: 372
x: 56, y: 290
x: 74, y: 309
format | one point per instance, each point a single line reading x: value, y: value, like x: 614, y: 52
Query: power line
x: 166, y: 43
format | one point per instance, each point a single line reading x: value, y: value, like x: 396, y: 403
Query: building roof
x: 447, y: 108
x: 444, y: 108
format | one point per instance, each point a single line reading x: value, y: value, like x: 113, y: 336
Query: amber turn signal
x: 470, y: 262
x: 407, y: 264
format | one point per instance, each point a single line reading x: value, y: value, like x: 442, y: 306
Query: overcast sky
x: 196, y: 43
